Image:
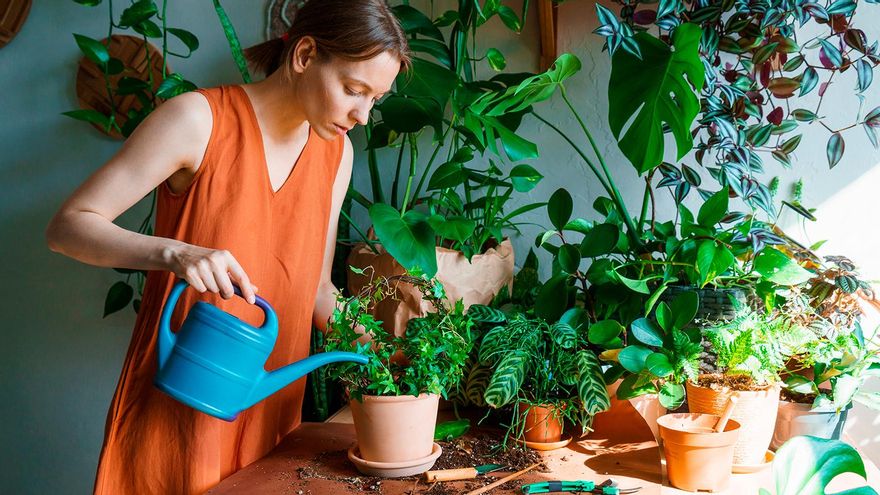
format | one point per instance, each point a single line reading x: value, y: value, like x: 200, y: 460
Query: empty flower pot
x: 801, y: 419
x: 697, y: 458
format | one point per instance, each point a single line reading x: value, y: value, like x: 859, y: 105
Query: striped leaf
x: 493, y: 341
x: 484, y: 314
x: 563, y: 334
x: 591, y: 385
x: 507, y: 379
x: 476, y: 382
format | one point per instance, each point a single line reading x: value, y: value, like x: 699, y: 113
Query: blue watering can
x: 215, y: 362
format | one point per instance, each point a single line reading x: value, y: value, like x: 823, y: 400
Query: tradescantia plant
x: 805, y: 465
x: 458, y: 197
x: 759, y: 64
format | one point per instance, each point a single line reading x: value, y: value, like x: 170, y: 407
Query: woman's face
x: 342, y: 92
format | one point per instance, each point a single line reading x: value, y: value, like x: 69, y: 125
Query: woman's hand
x: 210, y: 270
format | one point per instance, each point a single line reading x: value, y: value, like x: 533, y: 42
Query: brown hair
x: 349, y: 29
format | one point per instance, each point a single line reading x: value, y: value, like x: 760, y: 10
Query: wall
x: 61, y: 360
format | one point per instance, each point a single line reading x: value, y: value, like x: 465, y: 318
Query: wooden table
x: 312, y: 460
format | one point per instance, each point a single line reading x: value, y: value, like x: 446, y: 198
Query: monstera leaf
x: 805, y: 465
x: 652, y: 91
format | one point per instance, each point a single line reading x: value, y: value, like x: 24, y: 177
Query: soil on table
x: 473, y: 450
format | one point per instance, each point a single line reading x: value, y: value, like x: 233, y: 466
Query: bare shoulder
x: 345, y: 163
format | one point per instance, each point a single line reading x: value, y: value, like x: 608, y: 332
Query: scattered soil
x: 798, y: 398
x: 474, y: 450
x: 736, y: 382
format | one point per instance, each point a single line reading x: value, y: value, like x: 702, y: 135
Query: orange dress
x: 154, y: 444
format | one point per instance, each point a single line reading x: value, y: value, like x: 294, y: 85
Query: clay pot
x: 696, y: 457
x: 395, y: 429
x: 755, y: 411
x: 801, y: 419
x: 649, y: 407
x: 542, y: 423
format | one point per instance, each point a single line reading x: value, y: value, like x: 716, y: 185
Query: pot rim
x: 396, y: 398
x: 770, y: 387
x: 808, y: 408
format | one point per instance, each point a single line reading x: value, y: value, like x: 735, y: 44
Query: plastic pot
x: 697, y: 458
x: 542, y: 423
x: 801, y: 419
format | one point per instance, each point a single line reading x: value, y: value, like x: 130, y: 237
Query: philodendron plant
x: 458, y: 197
x: 525, y: 359
x: 661, y: 353
x: 427, y: 359
x: 805, y: 465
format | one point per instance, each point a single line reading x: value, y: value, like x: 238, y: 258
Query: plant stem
x: 413, y: 158
x: 395, y: 184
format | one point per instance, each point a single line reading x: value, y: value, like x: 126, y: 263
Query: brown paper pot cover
x: 476, y: 282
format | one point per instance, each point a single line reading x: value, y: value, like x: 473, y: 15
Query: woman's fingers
x: 241, y: 278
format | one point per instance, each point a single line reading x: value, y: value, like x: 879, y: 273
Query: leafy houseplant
x: 535, y: 364
x: 805, y: 465
x: 445, y: 202
x: 394, y: 397
x: 147, y: 21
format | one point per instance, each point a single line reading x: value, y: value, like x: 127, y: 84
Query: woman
x: 250, y: 182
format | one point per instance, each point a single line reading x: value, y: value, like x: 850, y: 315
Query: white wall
x: 61, y: 360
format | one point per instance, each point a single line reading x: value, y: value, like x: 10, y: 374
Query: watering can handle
x: 167, y: 338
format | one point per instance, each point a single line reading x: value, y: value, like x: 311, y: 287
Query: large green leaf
x: 653, y: 90
x: 805, y: 465
x: 410, y: 114
x: 633, y: 357
x: 428, y: 79
x: 408, y: 237
x: 647, y: 332
x: 507, y: 379
x: 530, y: 91
x: 780, y: 269
x: 712, y: 260
x: 600, y: 240
x: 714, y: 209
x: 591, y: 386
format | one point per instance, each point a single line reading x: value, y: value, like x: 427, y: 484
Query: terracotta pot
x: 542, y: 423
x: 801, y: 419
x: 474, y: 282
x: 395, y: 429
x: 648, y: 406
x: 755, y: 411
x: 696, y: 457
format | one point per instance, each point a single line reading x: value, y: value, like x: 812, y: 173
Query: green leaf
x: 414, y: 21
x: 600, y: 240
x: 604, y: 331
x: 800, y: 385
x: 137, y: 13
x: 457, y: 228
x: 509, y: 18
x: 591, y: 386
x: 658, y: 364
x: 408, y: 238
x: 450, y: 430
x: 450, y: 174
x: 714, y: 209
x: 569, y: 257
x: 481, y: 313
x: 563, y: 335
x: 403, y: 114
x: 148, y: 28
x: 496, y: 59
x: 640, y: 285
x: 834, y: 149
x: 712, y: 260
x: 188, y: 39
x: 90, y: 116
x: 559, y: 208
x: 174, y: 85
x: 531, y: 90
x: 427, y: 79
x: 552, y: 297
x: 634, y: 386
x: 507, y: 379
x: 524, y: 178
x: 579, y: 225
x: 832, y: 52
x: 653, y: 91
x: 685, y: 307
x: 88, y: 3
x: 93, y: 49
x: 118, y: 297
x: 647, y: 332
x: 805, y: 465
x: 671, y: 395
x: 633, y: 357
x: 803, y: 115
x: 779, y: 268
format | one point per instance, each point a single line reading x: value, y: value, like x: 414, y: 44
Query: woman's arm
x: 325, y: 302
x: 171, y: 140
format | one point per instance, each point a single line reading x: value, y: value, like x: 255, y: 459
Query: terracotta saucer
x: 394, y: 469
x: 543, y: 445
x: 753, y: 468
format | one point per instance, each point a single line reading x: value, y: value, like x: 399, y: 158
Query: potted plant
x: 449, y: 215
x: 545, y: 372
x: 749, y: 352
x: 822, y: 382
x: 394, y: 397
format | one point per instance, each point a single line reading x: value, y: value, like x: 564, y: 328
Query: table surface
x: 312, y: 460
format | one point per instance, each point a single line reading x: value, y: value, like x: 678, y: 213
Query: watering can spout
x: 280, y: 378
